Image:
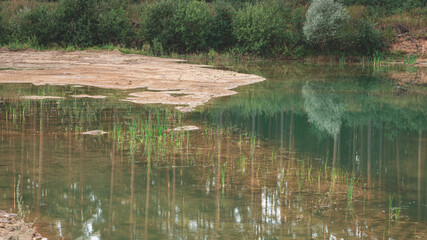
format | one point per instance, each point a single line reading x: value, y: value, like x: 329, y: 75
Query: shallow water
x: 275, y: 161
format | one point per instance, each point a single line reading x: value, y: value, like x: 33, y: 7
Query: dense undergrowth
x: 270, y: 28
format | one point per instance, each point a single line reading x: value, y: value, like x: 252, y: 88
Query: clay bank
x: 164, y: 81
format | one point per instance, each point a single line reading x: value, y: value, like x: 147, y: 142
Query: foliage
x: 222, y: 29
x: 159, y: 23
x: 2, y: 29
x: 240, y: 27
x: 261, y: 28
x: 377, y: 7
x: 368, y: 39
x: 324, y: 19
x: 194, y: 26
x: 113, y: 26
x: 39, y: 23
x: 76, y: 22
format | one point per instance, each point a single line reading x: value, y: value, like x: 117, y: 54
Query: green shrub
x: 40, y: 23
x: 296, y: 44
x: 323, y: 21
x: 113, y: 26
x: 195, y: 25
x: 16, y: 24
x: 222, y: 31
x: 159, y: 24
x: 368, y: 39
x: 261, y: 28
x: 1, y: 27
x: 357, y: 37
x: 76, y: 20
x: 385, y: 7
x: 157, y: 49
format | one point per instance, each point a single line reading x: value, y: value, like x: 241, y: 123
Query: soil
x: 411, y: 46
x: 172, y: 81
x: 13, y: 228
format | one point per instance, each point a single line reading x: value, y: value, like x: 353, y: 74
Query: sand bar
x: 177, y: 83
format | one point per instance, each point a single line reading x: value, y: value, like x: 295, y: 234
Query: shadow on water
x: 313, y: 152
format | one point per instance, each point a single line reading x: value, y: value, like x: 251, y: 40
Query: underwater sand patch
x: 89, y: 96
x: 186, y: 128
x: 13, y: 228
x: 95, y: 132
x: 190, y: 100
x: 196, y: 84
x: 40, y: 97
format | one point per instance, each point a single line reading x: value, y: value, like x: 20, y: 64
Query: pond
x: 314, y: 152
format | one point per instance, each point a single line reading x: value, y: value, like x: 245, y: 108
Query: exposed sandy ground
x: 11, y: 228
x: 411, y: 45
x: 176, y: 83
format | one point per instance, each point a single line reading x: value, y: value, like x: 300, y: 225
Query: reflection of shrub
x: 324, y: 108
x: 324, y: 19
x: 262, y: 28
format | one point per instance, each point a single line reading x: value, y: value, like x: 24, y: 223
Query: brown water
x: 275, y: 161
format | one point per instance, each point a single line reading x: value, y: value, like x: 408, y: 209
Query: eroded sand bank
x: 175, y: 83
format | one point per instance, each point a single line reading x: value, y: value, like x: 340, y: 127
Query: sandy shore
x: 165, y: 81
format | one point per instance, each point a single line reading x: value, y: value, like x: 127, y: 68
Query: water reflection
x: 280, y: 168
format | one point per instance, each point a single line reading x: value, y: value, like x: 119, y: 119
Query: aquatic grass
x: 351, y: 183
x: 19, y: 199
x: 411, y: 59
x: 309, y: 173
x: 393, y: 212
x: 223, y: 170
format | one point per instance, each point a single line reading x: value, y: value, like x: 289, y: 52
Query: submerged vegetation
x: 271, y: 28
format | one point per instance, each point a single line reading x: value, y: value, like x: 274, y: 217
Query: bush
x: 40, y: 23
x: 385, y: 7
x: 2, y: 29
x: 159, y: 24
x: 113, y: 26
x: 76, y: 20
x: 195, y: 24
x: 261, y: 28
x: 368, y: 39
x: 323, y: 20
x: 222, y: 31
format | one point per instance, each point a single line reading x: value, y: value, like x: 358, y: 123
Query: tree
x: 323, y: 20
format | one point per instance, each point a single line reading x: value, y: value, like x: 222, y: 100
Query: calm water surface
x: 314, y: 152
